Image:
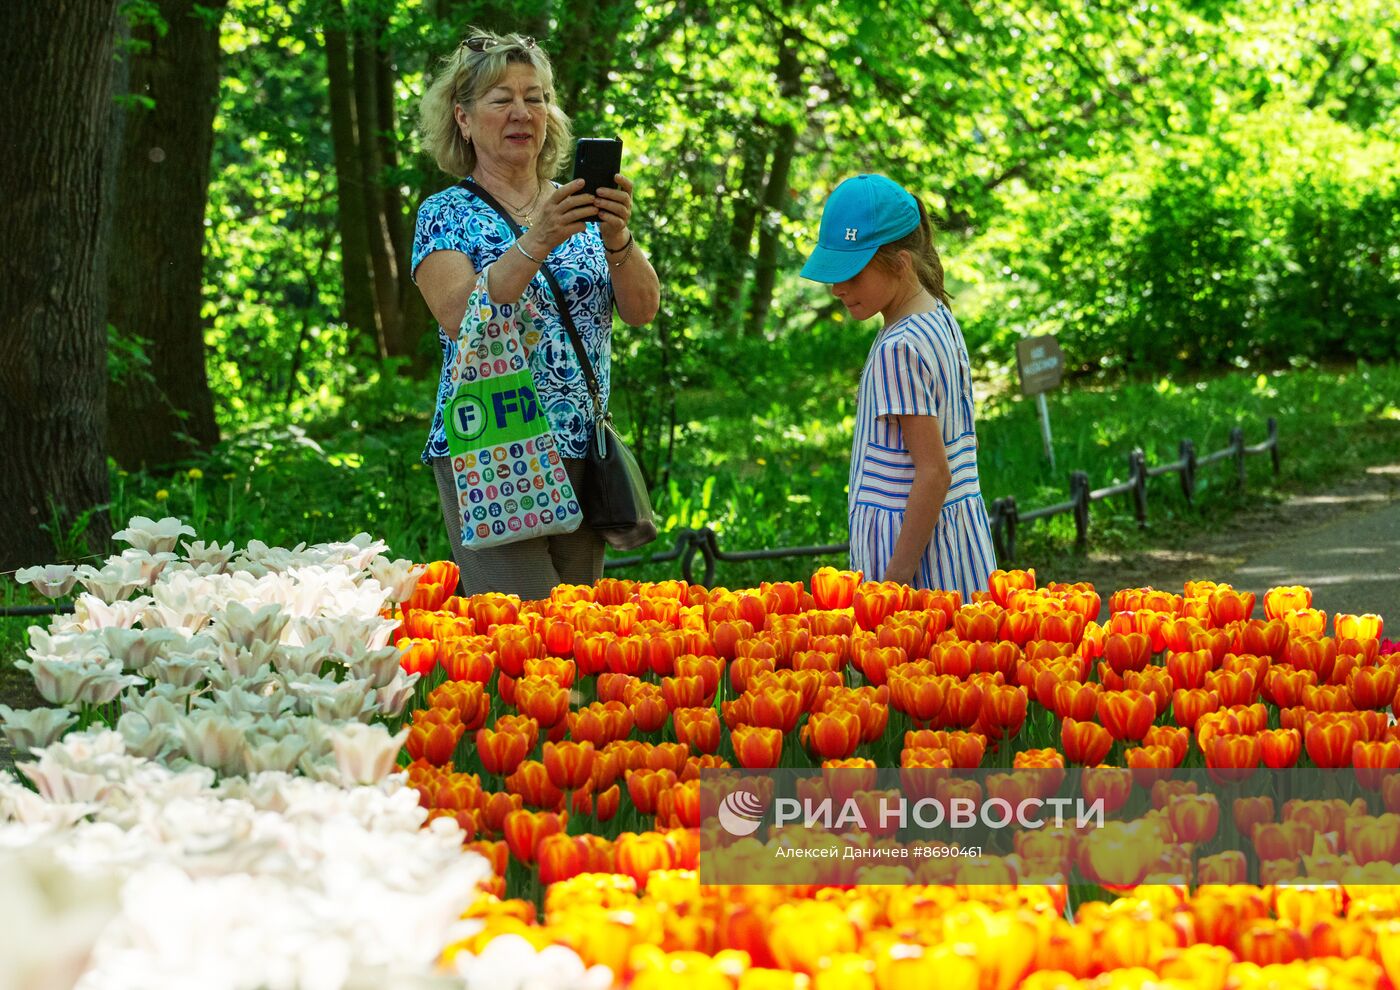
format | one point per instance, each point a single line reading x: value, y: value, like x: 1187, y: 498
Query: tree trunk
x: 156, y: 277
x: 383, y: 264
x: 775, y: 194
x: 352, y: 214
x: 56, y: 73
x: 729, y: 288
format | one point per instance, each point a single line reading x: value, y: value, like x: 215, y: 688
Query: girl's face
x: 874, y: 290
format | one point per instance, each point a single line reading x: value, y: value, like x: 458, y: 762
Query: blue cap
x: 862, y: 213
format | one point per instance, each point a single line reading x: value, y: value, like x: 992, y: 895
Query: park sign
x: 1040, y: 363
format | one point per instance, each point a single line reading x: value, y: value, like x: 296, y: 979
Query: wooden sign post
x: 1040, y: 364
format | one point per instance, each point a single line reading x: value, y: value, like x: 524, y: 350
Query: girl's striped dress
x: 918, y: 366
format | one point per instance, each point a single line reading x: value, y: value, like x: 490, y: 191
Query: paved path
x: 1352, y: 564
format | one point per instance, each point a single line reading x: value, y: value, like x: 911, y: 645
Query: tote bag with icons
x: 511, y: 481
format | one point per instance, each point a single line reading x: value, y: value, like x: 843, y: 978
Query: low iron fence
x: 1006, y: 517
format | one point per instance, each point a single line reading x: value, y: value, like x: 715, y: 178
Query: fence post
x: 688, y: 556
x: 997, y: 518
x: 1188, y: 471
x: 1079, y: 495
x: 1237, y: 442
x: 1273, y: 442
x: 1137, y: 472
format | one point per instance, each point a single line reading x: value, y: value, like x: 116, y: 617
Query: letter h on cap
x: 851, y: 233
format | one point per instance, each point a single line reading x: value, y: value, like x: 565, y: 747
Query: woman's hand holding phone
x: 614, y: 211
x: 563, y: 215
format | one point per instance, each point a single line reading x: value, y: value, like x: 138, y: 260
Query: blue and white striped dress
x: 918, y: 366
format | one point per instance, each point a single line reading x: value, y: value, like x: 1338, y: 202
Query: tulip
x: 525, y: 830
x: 1280, y: 601
x: 833, y: 589
x: 1373, y: 839
x: 560, y: 857
x: 639, y: 855
x: 434, y: 742
x: 1232, y: 758
x: 1110, y: 785
x: 1228, y: 867
x: 1282, y: 840
x: 1373, y: 687
x: 832, y: 735
x: 698, y: 728
x: 1330, y: 745
x: 543, y: 699
x: 1251, y: 811
x: 977, y: 622
x: 1280, y: 747
x: 1359, y: 627
x: 1176, y: 740
x: 1003, y: 583
x: 874, y: 602
x: 466, y: 663
x: 1188, y: 669
x: 1189, y: 704
x: 1372, y: 760
x: 1268, y: 942
x: 649, y: 708
x: 1194, y: 818
x: 418, y: 656
x: 1284, y: 686
x: 1150, y: 764
x: 1127, y: 651
x: 1085, y: 743
x: 757, y: 747
x: 1126, y: 714
x: 569, y: 764
x: 1228, y: 605
x: 531, y: 781
x: 501, y: 752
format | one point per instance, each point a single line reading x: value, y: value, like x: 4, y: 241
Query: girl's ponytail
x: 927, y: 265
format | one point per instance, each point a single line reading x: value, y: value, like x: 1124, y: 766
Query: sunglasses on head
x: 483, y: 43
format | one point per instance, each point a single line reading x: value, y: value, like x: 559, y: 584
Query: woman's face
x: 507, y: 124
x: 872, y: 291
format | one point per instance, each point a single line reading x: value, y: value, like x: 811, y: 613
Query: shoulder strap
x: 574, y: 338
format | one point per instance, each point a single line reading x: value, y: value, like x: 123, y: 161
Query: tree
x: 56, y: 71
x: 155, y: 281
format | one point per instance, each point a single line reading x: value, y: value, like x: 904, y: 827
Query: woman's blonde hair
x: 464, y: 77
x: 927, y: 265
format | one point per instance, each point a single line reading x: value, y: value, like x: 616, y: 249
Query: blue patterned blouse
x: 456, y: 220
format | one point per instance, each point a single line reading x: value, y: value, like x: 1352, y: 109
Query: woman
x: 916, y: 510
x: 491, y: 117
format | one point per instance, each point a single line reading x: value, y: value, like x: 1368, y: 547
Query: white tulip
x: 34, y: 728
x: 365, y: 754
x: 153, y: 537
x: 50, y: 580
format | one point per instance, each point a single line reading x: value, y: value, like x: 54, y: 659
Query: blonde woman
x: 491, y: 117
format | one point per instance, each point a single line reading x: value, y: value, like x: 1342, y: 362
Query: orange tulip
x: 1251, y: 811
x: 1372, y: 760
x: 832, y: 735
x: 1284, y: 686
x: 1194, y: 818
x: 698, y: 728
x: 1189, y: 704
x: 569, y: 764
x: 525, y: 830
x: 832, y: 589
x: 434, y: 742
x: 1189, y: 668
x: 462, y: 662
x: 1127, y: 651
x: 640, y: 855
x: 873, y: 602
x: 1127, y: 714
x: 1228, y: 867
x: 1150, y: 764
x: 648, y: 705
x: 418, y: 656
x: 1280, y: 601
x: 543, y: 699
x: 561, y: 856
x: 1359, y: 627
x: 1111, y: 785
x: 531, y: 781
x: 1280, y: 747
x: 1373, y: 687
x: 644, y: 787
x: 1086, y: 743
x: 1228, y: 605
x: 757, y: 747
x: 1077, y: 701
x: 1232, y: 758
x: 1002, y: 583
x: 1330, y: 745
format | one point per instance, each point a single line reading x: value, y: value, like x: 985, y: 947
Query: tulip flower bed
x: 568, y: 738
x: 213, y: 799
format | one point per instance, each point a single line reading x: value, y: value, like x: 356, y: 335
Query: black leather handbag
x: 613, y: 494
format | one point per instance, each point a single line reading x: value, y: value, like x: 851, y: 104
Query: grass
x: 762, y: 459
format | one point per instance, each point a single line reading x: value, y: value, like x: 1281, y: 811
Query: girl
x: 916, y: 511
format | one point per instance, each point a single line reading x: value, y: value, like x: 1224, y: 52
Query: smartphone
x: 597, y: 161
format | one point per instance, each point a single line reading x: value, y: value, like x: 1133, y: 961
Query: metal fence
x: 1006, y: 517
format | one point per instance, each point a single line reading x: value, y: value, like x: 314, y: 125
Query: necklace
x: 524, y: 212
